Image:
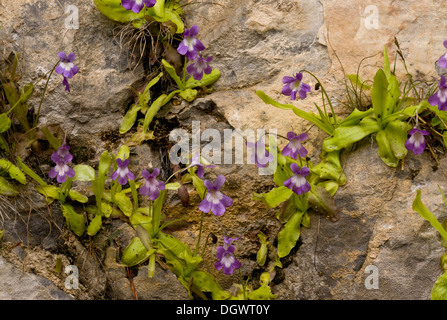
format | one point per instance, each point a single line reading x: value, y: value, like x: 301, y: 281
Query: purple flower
x: 215, y: 201
x: 62, y: 157
x: 440, y: 97
x: 152, y: 186
x: 190, y: 45
x: 122, y: 173
x: 442, y: 61
x: 225, y: 254
x: 294, y: 85
x: 137, y: 5
x: 199, y: 67
x: 298, y: 182
x: 294, y: 147
x: 260, y: 156
x: 416, y: 142
x: 66, y: 68
x: 195, y: 162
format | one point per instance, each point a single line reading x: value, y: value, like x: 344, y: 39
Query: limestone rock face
x: 254, y: 43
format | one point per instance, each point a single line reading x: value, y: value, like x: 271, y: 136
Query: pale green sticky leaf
x: 135, y: 253
x: 207, y: 80
x: 386, y: 64
x: 75, y: 221
x: 188, y: 94
x: 205, y: 282
x: 355, y: 117
x: 7, y: 188
x: 124, y: 203
x: 344, y: 137
x: 123, y: 152
x: 129, y: 118
x: 153, y: 110
x: 289, y: 235
x: 77, y: 196
x: 172, y: 186
x: 359, y: 83
x: 84, y: 173
x: 143, y: 234
x: 439, y: 290
x: 94, y: 225
x: 2, y: 232
x: 261, y: 255
x: 385, y: 150
x: 14, y: 172
x: 54, y: 142
x: 274, y: 197
x: 30, y: 172
x: 425, y: 213
x: 49, y: 192
x: 171, y: 71
x: 141, y: 219
x: 5, y: 122
x: 322, y: 202
x: 396, y: 133
x: 114, y: 10
x: 379, y: 94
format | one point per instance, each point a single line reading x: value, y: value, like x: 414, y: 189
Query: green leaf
x: 205, y: 282
x: 439, y: 291
x: 207, y: 80
x: 5, y: 122
x: 397, y: 133
x: 135, y: 253
x: 94, y: 225
x: 344, y: 137
x: 198, y: 184
x: 322, y: 202
x: 14, y: 172
x: 261, y: 256
x: 356, y: 81
x: 425, y: 213
x: 113, y: 9
x: 188, y: 94
x: 77, y: 196
x: 143, y: 234
x: 171, y: 13
x: 172, y: 186
x: 274, y: 197
x: 49, y: 192
x: 379, y: 94
x: 84, y: 173
x: 171, y: 71
x: 393, y: 95
x: 153, y: 110
x: 386, y: 64
x: 124, y: 203
x: 75, y: 221
x: 123, y: 152
x: 355, y: 117
x: 2, y: 232
x: 129, y: 118
x: 309, y: 116
x: 385, y: 150
x: 6, y: 188
x: 30, y: 172
x: 54, y: 142
x: 289, y: 235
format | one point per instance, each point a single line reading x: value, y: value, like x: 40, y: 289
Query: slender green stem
x: 36, y: 118
x: 200, y: 235
x: 325, y: 93
x: 244, y: 288
x: 151, y: 214
x: 184, y: 70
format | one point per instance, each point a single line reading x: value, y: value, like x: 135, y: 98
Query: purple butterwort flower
x: 225, y: 254
x: 195, y: 162
x: 442, y: 61
x: 66, y: 84
x: 199, y: 67
x: 137, y: 5
x: 122, y: 173
x: 215, y: 201
x: 298, y: 182
x: 152, y: 186
x: 190, y: 45
x: 294, y: 85
x: 260, y: 156
x: 66, y: 67
x: 294, y: 147
x: 416, y: 142
x: 62, y: 157
x: 440, y: 97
